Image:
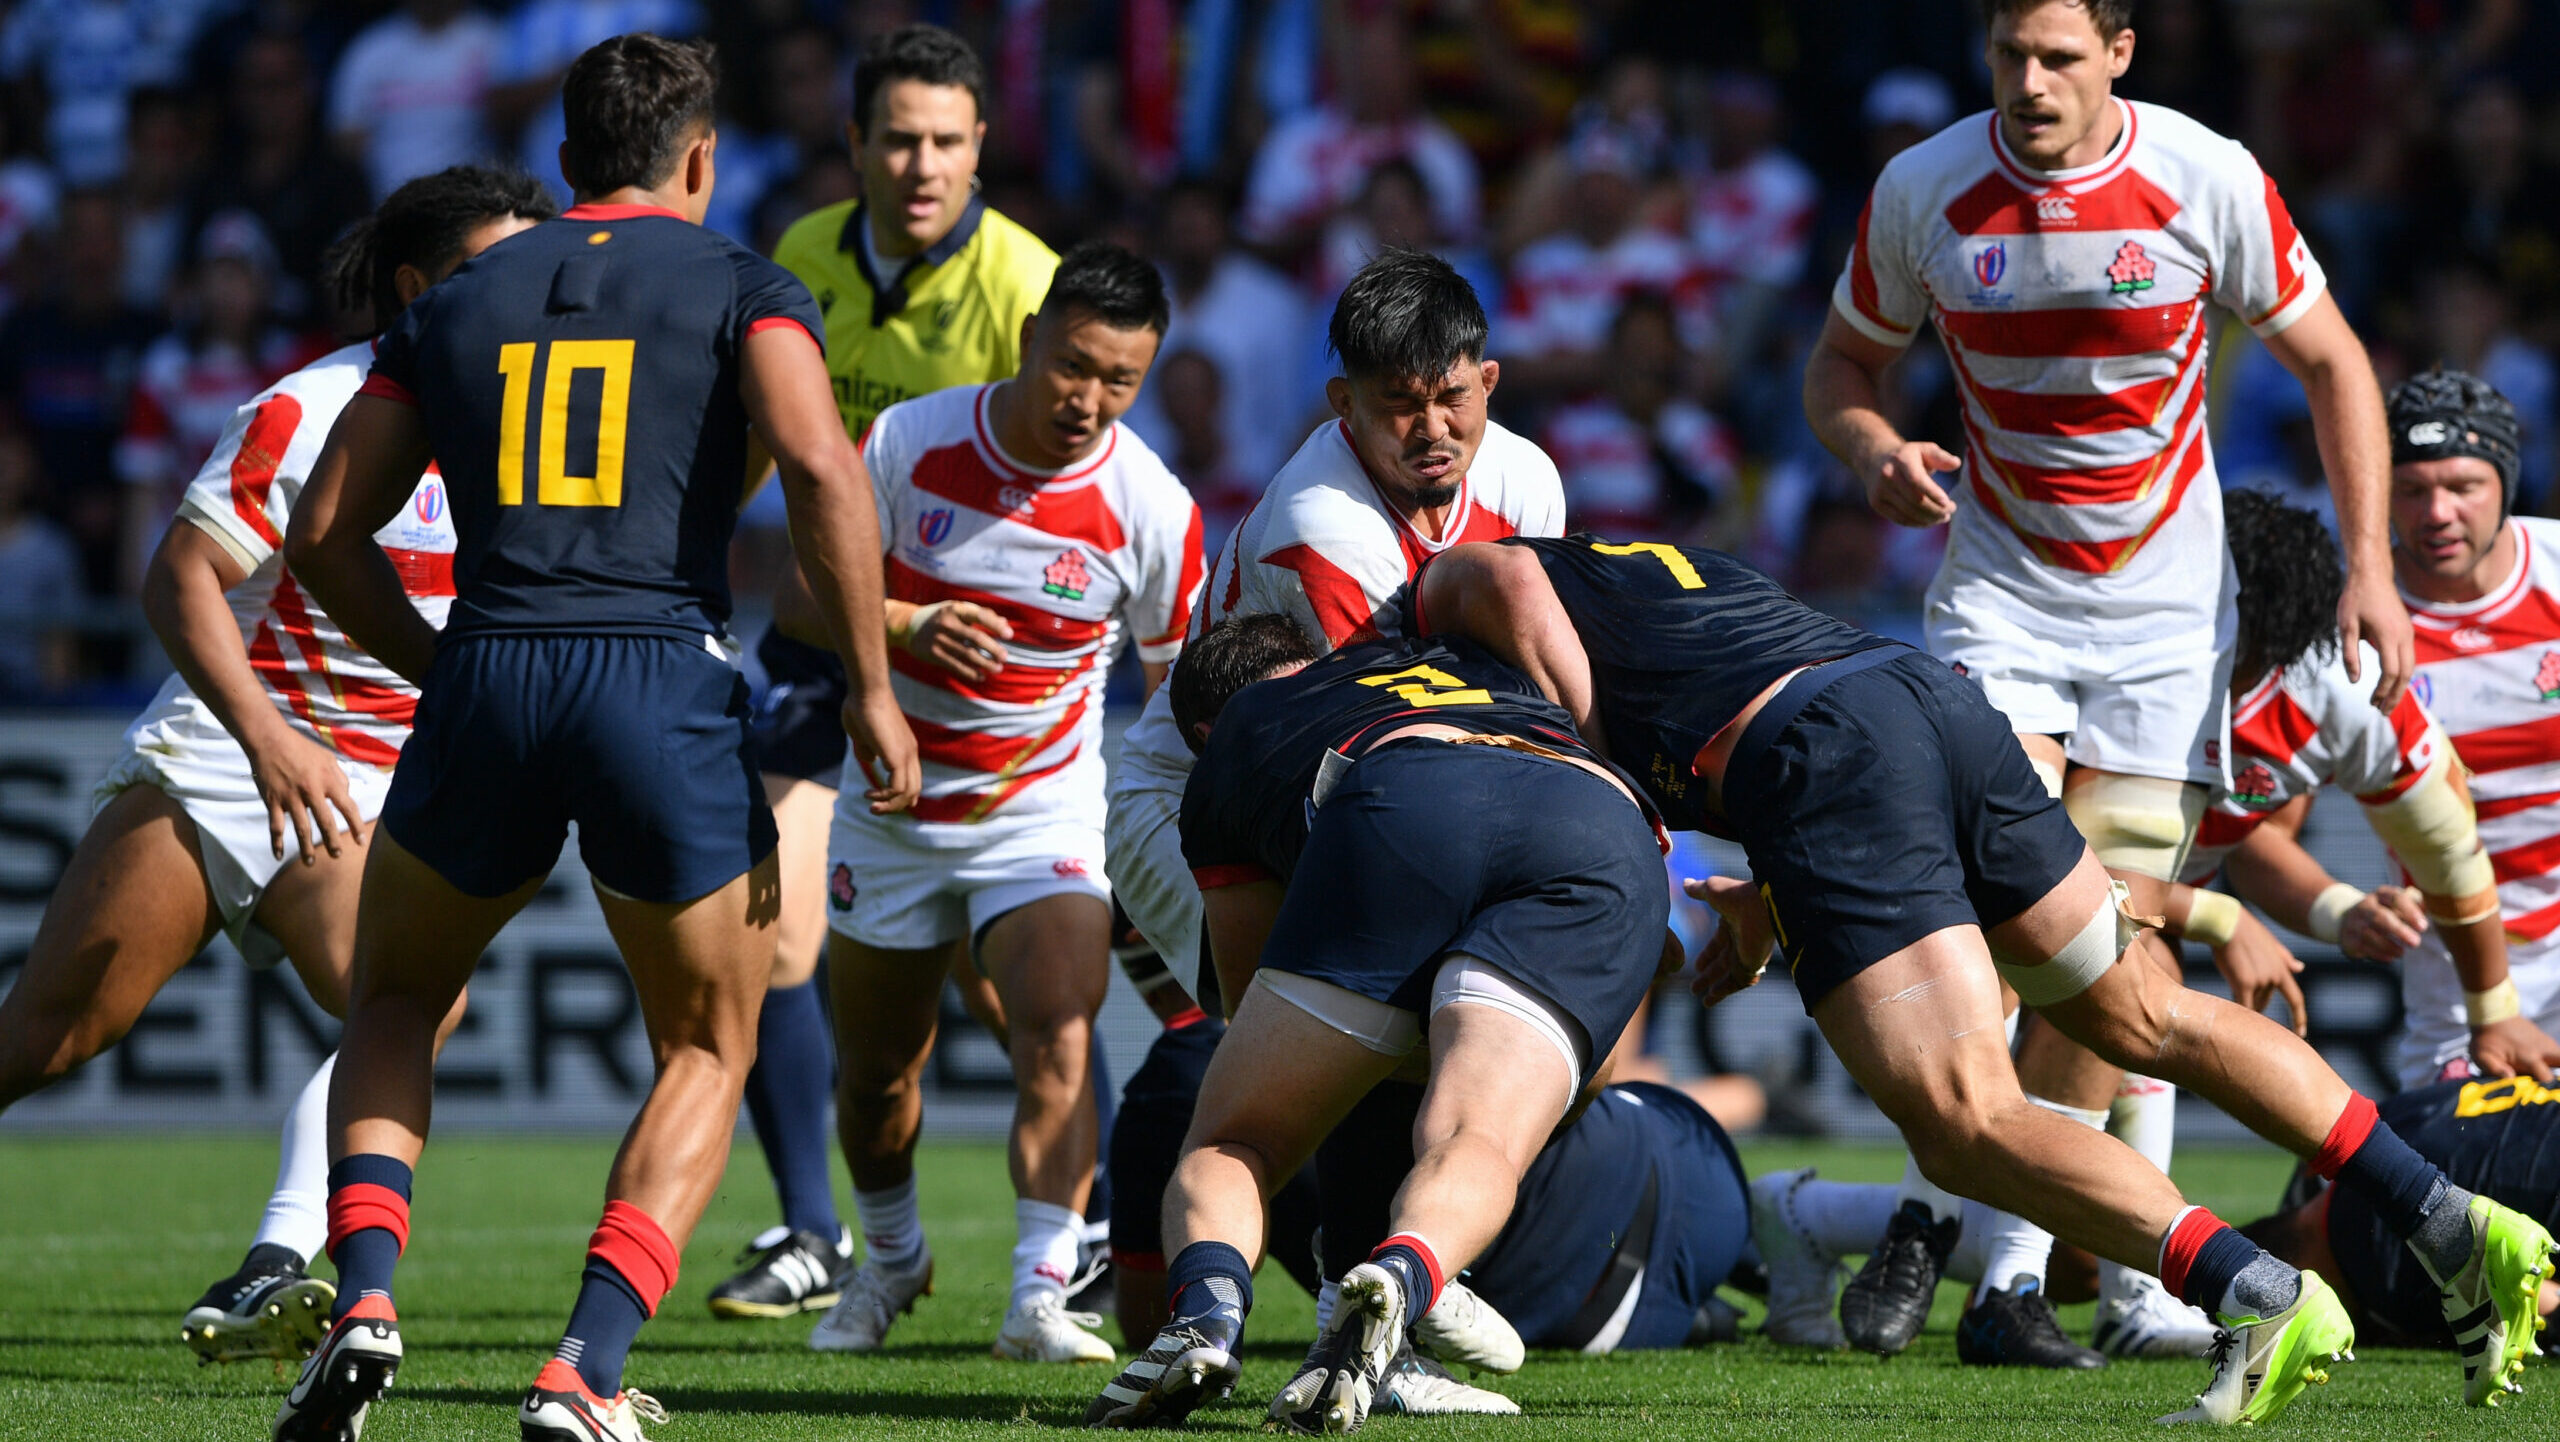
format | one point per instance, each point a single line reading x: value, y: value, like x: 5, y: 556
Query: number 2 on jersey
x: 1670, y: 557
x: 556, y: 487
x: 1430, y: 686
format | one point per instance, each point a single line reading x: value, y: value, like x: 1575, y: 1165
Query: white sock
x: 2145, y: 1118
x: 1942, y: 1204
x: 1970, y: 1261
x: 891, y: 1235
x: 2017, y: 1247
x: 1044, y: 1250
x: 298, y: 1210
x: 1845, y: 1218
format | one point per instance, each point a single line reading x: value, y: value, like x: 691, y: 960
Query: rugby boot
x: 1463, y: 1330
x: 345, y: 1377
x: 2491, y: 1304
x: 1804, y: 1275
x: 1883, y: 1307
x: 787, y: 1273
x: 2017, y: 1328
x: 1419, y: 1387
x: 1043, y: 1330
x: 1192, y: 1361
x: 1351, y: 1359
x: 559, y: 1408
x: 874, y: 1296
x: 2145, y: 1321
x: 2260, y: 1364
x: 268, y: 1308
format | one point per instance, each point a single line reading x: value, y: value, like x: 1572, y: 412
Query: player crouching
x: 1519, y: 941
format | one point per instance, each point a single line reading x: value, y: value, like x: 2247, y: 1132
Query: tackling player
x: 1909, y: 862
x: 581, y: 678
x: 923, y: 287
x: 275, y: 734
x: 1030, y: 502
x: 2067, y: 248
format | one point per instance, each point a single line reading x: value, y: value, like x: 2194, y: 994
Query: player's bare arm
x: 1843, y: 400
x: 2279, y: 877
x: 375, y: 454
x: 1237, y: 920
x: 835, y: 531
x: 962, y: 637
x: 1501, y: 599
x: 2355, y: 449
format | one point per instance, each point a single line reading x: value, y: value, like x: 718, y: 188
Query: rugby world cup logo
x: 429, y: 503
x: 934, y: 526
x: 1990, y: 263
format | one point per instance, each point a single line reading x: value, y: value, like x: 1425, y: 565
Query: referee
x: 922, y: 287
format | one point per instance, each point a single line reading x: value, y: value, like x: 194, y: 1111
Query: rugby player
x: 1030, y: 501
x: 582, y: 677
x: 1320, y: 823
x: 2066, y: 247
x: 923, y: 287
x: 1908, y: 861
x: 276, y: 734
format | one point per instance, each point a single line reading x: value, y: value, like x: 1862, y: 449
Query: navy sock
x: 788, y: 1091
x: 1097, y: 1203
x: 1407, y: 1258
x: 601, y: 1327
x: 2218, y: 1263
x: 2403, y: 1185
x: 368, y: 1225
x: 1204, y: 1277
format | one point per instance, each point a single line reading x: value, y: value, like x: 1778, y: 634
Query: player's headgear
x: 2290, y: 580
x: 631, y: 105
x: 917, y: 52
x: 423, y: 224
x: 1229, y: 656
x: 2446, y: 413
x: 1406, y: 315
x: 1112, y: 282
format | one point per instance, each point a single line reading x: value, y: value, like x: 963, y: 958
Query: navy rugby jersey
x: 2500, y: 1139
x: 579, y: 384
x: 1245, y: 811
x: 1680, y: 639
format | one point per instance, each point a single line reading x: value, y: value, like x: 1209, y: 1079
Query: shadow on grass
x: 814, y: 1401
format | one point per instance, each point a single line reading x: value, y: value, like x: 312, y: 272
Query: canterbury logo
x: 2057, y: 208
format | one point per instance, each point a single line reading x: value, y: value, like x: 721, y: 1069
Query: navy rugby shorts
x: 799, y: 725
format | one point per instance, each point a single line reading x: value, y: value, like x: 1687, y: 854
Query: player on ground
x: 1350, y: 926
x: 923, y: 287
x: 276, y: 735
x: 2066, y: 247
x: 1030, y: 503
x: 1909, y: 862
x: 581, y: 678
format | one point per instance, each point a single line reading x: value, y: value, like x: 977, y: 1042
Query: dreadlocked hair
x: 2290, y: 581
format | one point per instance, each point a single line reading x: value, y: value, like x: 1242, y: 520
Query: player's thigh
x: 418, y: 936
x: 802, y: 812
x: 700, y: 967
x: 887, y: 1003
x: 1282, y: 1079
x: 1920, y: 1031
x: 311, y: 913
x: 1050, y: 959
x: 1495, y: 1077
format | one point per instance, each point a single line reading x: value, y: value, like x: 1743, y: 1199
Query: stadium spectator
x: 87, y: 56
x: 1394, y: 208
x: 1567, y: 289
x: 1641, y: 458
x: 1191, y: 394
x: 1246, y: 320
x: 2485, y: 193
x: 410, y: 94
x: 2466, y: 321
x: 39, y: 580
x: 275, y: 167
x: 1750, y: 216
x: 166, y: 154
x: 797, y: 113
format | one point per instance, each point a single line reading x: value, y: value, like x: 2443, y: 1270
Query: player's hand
x: 1901, y: 488
x: 2384, y: 925
x: 885, y: 749
x: 1737, y: 951
x: 2370, y: 610
x: 962, y: 637
x: 2515, y: 1047
x: 2258, y: 967
x: 301, y: 784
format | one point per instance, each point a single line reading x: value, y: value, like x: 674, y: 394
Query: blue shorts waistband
x: 1800, y: 690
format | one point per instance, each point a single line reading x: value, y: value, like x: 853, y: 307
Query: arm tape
x: 2330, y: 908
x: 2499, y: 1003
x: 2429, y: 828
x: 2212, y: 918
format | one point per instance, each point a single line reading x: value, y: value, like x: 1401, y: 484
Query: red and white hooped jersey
x: 1565, y: 292
x: 1080, y: 562
x: 1325, y: 548
x: 2072, y: 305
x: 2303, y: 728
x: 243, y: 497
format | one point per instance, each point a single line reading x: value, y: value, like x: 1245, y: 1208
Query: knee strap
x: 2079, y: 962
x: 2141, y: 824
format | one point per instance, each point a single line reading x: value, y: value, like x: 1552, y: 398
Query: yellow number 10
x: 1670, y: 557
x: 556, y: 486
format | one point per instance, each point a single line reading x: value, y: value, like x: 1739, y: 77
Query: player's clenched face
x: 1079, y: 374
x: 2445, y: 520
x: 1417, y: 437
x: 919, y: 156
x: 2050, y: 76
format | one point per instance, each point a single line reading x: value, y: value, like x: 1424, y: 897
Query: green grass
x: 104, y: 1242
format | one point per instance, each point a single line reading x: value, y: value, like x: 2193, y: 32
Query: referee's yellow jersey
x: 950, y: 316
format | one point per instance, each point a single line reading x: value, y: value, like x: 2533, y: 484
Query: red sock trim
x: 631, y: 1242
x: 2346, y: 1135
x: 365, y: 1206
x: 1422, y: 1249
x: 2178, y: 1251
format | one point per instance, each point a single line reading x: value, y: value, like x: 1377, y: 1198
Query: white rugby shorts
x: 1143, y: 854
x: 887, y: 889
x: 2138, y: 708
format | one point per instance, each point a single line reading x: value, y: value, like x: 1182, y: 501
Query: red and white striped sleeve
x: 1171, y: 574
x: 1879, y: 292
x: 2394, y: 751
x: 243, y: 495
x: 2263, y: 272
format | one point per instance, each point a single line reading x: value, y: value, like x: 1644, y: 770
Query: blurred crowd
x: 1652, y: 196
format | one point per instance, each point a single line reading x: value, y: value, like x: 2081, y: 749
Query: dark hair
x: 1407, y: 315
x: 1229, y: 656
x: 423, y: 224
x: 1112, y: 282
x: 917, y: 52
x: 2290, y: 579
x: 2110, y: 16
x: 1646, y: 305
x: 631, y: 104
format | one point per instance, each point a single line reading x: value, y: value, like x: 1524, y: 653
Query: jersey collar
x: 617, y: 212
x: 888, y: 297
x: 2438, y: 615
x: 2079, y: 179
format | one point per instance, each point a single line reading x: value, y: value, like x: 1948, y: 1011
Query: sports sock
x: 891, y: 1235
x: 1410, y: 1260
x: 2209, y: 1264
x: 1844, y: 1217
x: 1046, y: 1240
x: 1106, y: 1110
x: 787, y: 1097
x: 1203, y: 1277
x: 2018, y: 1248
x: 2145, y: 1118
x: 2408, y: 1192
x: 1940, y: 1203
x: 631, y: 1265
x: 297, y: 1216
x: 368, y: 1225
